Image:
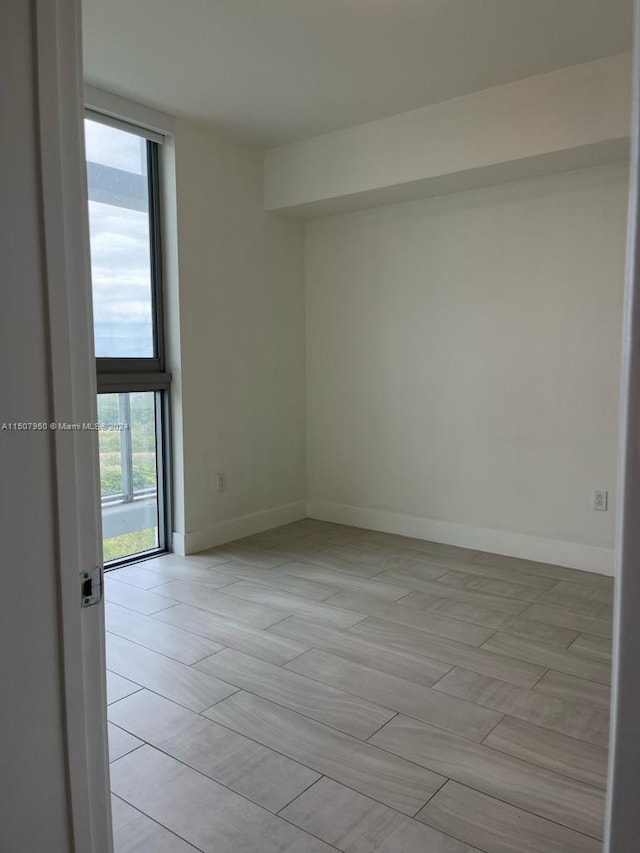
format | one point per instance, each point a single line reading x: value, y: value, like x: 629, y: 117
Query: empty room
x: 321, y: 345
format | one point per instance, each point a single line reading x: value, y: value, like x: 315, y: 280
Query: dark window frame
x: 129, y: 375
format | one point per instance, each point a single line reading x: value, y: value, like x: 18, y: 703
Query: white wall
x: 463, y: 365
x: 239, y: 375
x: 570, y: 118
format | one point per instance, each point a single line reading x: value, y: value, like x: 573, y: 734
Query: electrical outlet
x: 221, y: 482
x: 600, y: 500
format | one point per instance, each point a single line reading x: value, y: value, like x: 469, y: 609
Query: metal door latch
x: 90, y: 587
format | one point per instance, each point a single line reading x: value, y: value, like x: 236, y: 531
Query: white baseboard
x: 236, y: 528
x: 571, y: 554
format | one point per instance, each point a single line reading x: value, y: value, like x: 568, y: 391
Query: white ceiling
x: 279, y: 70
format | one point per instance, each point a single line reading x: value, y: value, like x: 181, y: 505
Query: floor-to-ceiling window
x: 133, y: 385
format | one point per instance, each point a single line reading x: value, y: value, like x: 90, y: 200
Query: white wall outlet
x: 221, y: 482
x: 601, y: 500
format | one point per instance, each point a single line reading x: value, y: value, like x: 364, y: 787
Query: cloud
x: 120, y: 252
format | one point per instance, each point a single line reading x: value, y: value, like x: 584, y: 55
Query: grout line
x: 162, y: 579
x: 502, y: 716
x: 130, y: 751
x: 523, y: 761
x: 275, y: 752
x: 490, y: 637
x: 350, y: 547
x: 286, y: 663
x: 279, y: 622
x: 175, y: 701
x: 321, y: 776
x: 153, y: 820
x: 535, y: 684
x: 564, y: 826
x: 217, y: 781
x: 373, y: 734
x: 331, y: 730
x: 354, y: 696
x: 170, y: 603
x: 195, y: 663
x: 434, y: 686
x: 565, y: 775
x: 155, y: 651
x: 406, y: 595
x: 435, y: 793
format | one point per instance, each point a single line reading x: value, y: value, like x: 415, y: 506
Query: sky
x: 120, y: 268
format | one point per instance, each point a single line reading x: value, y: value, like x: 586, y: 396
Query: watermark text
x: 58, y: 426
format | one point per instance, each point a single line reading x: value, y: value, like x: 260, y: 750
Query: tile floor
x: 320, y: 688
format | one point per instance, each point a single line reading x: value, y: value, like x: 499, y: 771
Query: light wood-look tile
x: 480, y: 660
x: 375, y: 559
x: 567, y: 619
x: 418, y: 570
x: 322, y: 540
x: 332, y: 557
x: 269, y: 538
x: 236, y: 635
x: 194, y: 573
x: 606, y: 613
x: 579, y: 598
x: 558, y: 752
x: 438, y: 626
x: 201, y: 811
x: 183, y: 684
x: 134, y: 598
x: 204, y: 560
x: 224, y: 605
x: 238, y: 553
x: 589, y: 646
x: 294, y: 605
x: 371, y: 771
x: 263, y: 776
x: 540, y: 632
x: 134, y: 832
x: 138, y: 576
x: 170, y: 567
x: 273, y: 578
x: 491, y: 586
x: 309, y: 526
x: 511, y: 574
x: 459, y: 610
x: 354, y: 823
x: 389, y: 691
x: 540, y: 791
x: 600, y: 592
x: 510, y: 607
x: 367, y: 561
x: 158, y: 636
x: 397, y: 555
x: 497, y: 827
x: 389, y: 591
x: 345, y: 712
x: 545, y: 570
x: 575, y: 689
x: 559, y: 715
x: 416, y: 668
x: 119, y: 687
x: 422, y: 546
x: 550, y: 657
x: 261, y: 664
x: 120, y: 742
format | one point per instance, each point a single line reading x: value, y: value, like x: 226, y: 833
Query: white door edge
x: 73, y: 401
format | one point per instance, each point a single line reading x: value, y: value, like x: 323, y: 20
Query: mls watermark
x: 53, y: 426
